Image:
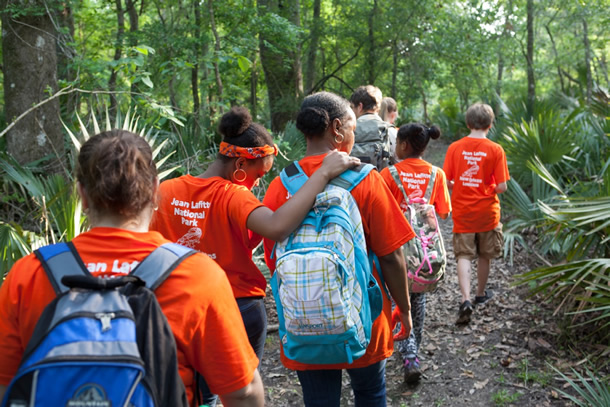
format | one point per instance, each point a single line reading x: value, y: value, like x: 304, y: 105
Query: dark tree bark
x: 314, y: 43
x: 66, y: 54
x: 118, y: 51
x: 134, y: 26
x: 254, y: 85
x: 370, y: 57
x: 531, y: 79
x: 195, y: 68
x: 29, y: 52
x: 503, y: 38
x: 394, y: 90
x: 282, y: 69
x: 216, y: 49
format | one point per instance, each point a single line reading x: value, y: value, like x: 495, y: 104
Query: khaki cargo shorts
x: 488, y: 245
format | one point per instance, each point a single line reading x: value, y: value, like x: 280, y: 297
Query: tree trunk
x: 503, y: 38
x: 65, y: 55
x: 216, y: 51
x: 134, y: 26
x: 370, y: 63
x: 314, y: 42
x: 587, y: 59
x: 30, y: 75
x: 118, y: 51
x: 531, y: 79
x: 254, y: 85
x: 195, y: 68
x: 394, y: 91
x: 282, y: 70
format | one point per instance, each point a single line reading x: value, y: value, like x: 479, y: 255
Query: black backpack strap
x: 60, y: 260
x: 158, y: 265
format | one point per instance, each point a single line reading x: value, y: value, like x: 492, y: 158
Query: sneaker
x: 479, y: 300
x: 412, y: 370
x: 464, y: 313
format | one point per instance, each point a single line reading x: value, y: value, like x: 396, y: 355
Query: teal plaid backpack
x: 324, y: 289
x: 425, y: 254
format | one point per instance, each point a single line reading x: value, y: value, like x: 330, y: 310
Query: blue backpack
x: 324, y: 289
x: 102, y: 342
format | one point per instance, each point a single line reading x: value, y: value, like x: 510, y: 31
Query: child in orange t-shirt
x: 117, y: 183
x: 412, y: 140
x: 477, y: 172
x: 217, y: 214
x: 328, y: 122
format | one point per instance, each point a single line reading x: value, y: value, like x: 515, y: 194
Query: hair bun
x: 434, y: 132
x: 235, y: 122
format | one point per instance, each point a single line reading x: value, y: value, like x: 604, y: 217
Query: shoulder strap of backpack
x: 428, y: 193
x: 158, y: 265
x: 293, y: 177
x: 352, y: 177
x: 59, y: 260
x: 396, y: 177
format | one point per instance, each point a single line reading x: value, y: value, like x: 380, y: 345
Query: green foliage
x: 47, y: 206
x: 592, y: 390
x: 449, y: 116
x: 504, y: 397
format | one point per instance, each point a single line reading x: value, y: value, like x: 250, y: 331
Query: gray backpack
x: 372, y: 144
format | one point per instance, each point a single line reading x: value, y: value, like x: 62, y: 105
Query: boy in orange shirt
x: 476, y: 172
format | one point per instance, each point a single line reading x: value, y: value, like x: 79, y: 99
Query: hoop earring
x: 235, y: 176
x: 342, y: 138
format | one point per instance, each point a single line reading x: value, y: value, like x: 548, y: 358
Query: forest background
x: 169, y: 69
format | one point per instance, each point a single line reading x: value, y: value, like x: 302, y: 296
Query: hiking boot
x: 412, y: 370
x: 479, y: 300
x: 464, y: 313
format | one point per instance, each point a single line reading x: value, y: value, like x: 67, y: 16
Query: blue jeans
x: 322, y: 388
x: 254, y: 315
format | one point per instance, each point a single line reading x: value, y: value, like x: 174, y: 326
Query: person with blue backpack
x: 73, y: 324
x: 217, y: 213
x: 330, y: 276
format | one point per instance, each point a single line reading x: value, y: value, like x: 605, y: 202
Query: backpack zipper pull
x: 105, y: 318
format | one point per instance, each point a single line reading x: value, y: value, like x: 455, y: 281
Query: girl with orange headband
x: 216, y: 212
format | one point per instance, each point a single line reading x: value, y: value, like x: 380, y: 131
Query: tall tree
x: 280, y: 57
x: 312, y: 52
x: 118, y: 51
x: 30, y: 76
x: 531, y: 79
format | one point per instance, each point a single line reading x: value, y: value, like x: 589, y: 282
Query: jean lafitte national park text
x: 305, y: 203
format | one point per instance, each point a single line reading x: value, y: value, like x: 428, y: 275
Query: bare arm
x: 279, y: 224
x: 394, y: 272
x: 450, y: 185
x: 252, y: 395
x: 501, y: 187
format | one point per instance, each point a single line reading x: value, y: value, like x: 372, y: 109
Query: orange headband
x: 250, y: 153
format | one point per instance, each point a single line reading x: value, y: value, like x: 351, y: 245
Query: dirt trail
x: 498, y: 359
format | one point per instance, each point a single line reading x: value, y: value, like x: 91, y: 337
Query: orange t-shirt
x: 415, y: 176
x: 385, y: 230
x: 210, y: 214
x: 196, y: 299
x: 476, y: 166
